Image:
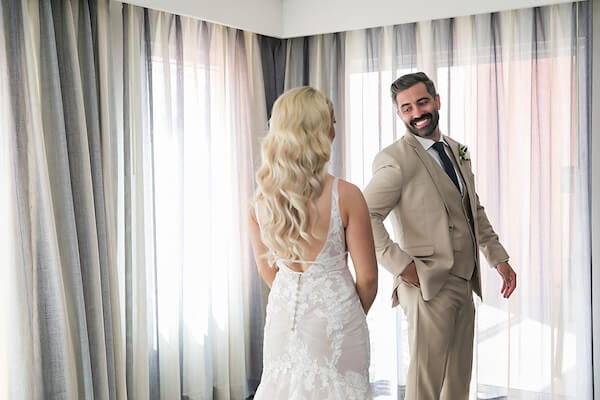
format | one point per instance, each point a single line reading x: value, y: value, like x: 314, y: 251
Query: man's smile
x: 422, y: 121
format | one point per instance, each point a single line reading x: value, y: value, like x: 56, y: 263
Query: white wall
x: 259, y: 16
x: 290, y: 18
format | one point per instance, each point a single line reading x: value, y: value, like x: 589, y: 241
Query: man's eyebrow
x: 418, y: 100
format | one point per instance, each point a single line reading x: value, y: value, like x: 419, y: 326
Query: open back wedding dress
x: 316, y: 343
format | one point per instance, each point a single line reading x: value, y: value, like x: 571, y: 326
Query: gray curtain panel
x: 56, y: 52
x: 316, y: 61
x: 273, y: 57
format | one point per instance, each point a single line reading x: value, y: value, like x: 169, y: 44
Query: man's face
x: 419, y: 110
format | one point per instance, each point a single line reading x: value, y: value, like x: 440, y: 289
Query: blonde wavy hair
x: 295, y: 154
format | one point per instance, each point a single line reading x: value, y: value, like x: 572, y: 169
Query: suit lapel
x: 430, y: 165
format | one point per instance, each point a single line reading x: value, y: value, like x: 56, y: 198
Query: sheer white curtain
x: 193, y: 140
x: 514, y: 87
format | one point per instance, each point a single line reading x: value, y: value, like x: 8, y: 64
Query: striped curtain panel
x: 60, y: 332
x: 318, y: 61
x: 195, y: 112
x: 128, y: 143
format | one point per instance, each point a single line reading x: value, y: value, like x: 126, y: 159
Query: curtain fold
x: 273, y: 57
x: 196, y: 90
x: 514, y: 87
x: 129, y: 141
x: 57, y: 58
x: 318, y: 61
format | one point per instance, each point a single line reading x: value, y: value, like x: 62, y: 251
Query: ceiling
x: 291, y: 18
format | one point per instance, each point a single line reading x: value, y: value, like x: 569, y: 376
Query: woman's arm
x: 359, y: 241
x: 266, y: 271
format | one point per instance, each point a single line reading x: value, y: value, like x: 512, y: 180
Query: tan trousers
x: 440, y: 335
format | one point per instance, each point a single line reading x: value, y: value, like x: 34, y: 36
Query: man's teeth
x: 421, y: 123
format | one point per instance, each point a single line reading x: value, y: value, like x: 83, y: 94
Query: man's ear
x: 437, y: 101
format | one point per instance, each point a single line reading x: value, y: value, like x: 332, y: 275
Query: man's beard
x: 428, y: 130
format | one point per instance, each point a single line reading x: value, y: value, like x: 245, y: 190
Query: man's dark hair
x: 409, y: 80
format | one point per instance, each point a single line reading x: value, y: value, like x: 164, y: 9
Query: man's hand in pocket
x: 409, y: 275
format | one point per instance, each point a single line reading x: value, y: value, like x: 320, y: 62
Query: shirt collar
x: 427, y: 143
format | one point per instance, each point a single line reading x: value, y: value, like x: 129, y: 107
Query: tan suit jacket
x: 406, y: 186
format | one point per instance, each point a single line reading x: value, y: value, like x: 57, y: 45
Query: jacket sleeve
x: 382, y: 195
x: 489, y: 244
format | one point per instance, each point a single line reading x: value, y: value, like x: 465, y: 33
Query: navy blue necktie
x: 448, y: 167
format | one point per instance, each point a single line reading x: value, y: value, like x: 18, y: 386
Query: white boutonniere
x: 463, y: 153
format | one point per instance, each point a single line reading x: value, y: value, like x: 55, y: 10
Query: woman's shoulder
x: 348, y: 191
x: 346, y: 186
x: 351, y: 200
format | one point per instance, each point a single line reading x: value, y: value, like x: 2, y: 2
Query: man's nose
x: 416, y: 115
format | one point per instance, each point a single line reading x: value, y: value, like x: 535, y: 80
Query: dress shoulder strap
x: 334, y: 188
x: 335, y: 197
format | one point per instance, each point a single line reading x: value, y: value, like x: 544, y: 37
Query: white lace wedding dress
x: 316, y: 343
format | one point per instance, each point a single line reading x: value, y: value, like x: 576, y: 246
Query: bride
x: 303, y: 225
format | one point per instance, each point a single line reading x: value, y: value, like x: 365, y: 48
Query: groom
x: 424, y: 180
